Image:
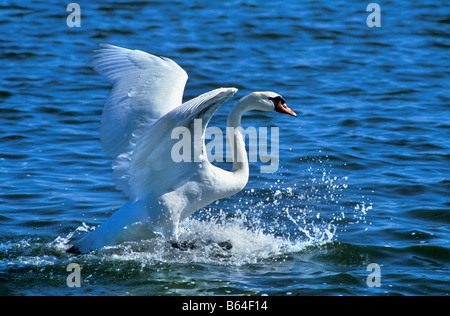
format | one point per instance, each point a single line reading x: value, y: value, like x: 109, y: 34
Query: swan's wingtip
x: 231, y: 90
x: 106, y: 45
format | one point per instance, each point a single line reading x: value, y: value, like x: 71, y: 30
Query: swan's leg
x: 183, y: 246
x: 225, y: 245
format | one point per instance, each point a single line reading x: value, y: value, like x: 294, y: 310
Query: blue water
x: 364, y: 172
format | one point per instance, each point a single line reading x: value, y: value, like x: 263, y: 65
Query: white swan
x: 143, y: 108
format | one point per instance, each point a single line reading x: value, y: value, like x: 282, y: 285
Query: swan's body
x: 144, y: 106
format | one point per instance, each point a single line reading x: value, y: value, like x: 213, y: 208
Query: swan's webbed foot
x: 74, y: 250
x: 225, y: 245
x: 185, y: 246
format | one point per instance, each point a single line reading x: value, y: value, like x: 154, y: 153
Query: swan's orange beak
x: 283, y: 108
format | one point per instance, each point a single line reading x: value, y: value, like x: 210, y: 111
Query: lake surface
x: 364, y: 171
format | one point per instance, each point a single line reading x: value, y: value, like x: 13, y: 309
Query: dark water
x: 364, y: 170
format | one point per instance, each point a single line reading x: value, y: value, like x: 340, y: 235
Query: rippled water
x: 364, y: 169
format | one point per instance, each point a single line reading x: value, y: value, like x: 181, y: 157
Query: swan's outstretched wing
x: 150, y: 168
x: 145, y: 88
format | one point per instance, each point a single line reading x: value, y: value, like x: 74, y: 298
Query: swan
x: 143, y: 107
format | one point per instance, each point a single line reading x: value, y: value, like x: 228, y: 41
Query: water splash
x: 263, y: 225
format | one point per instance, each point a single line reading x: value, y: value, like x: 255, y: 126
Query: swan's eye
x: 277, y: 100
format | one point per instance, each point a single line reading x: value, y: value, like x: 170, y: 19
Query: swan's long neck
x: 236, y: 138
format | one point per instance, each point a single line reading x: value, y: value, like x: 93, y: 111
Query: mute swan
x: 143, y: 108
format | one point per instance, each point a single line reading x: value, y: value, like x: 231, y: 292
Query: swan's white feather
x: 145, y: 88
x: 161, y: 191
x: 150, y: 169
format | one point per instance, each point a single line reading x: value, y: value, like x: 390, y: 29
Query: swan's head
x: 267, y: 101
